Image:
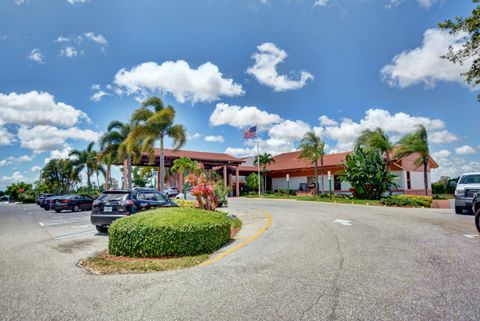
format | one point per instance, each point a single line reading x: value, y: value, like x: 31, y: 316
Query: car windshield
x: 113, y: 197
x: 470, y: 179
x: 154, y: 196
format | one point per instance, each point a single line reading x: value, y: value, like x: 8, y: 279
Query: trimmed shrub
x: 408, y: 201
x: 185, y: 203
x: 169, y: 232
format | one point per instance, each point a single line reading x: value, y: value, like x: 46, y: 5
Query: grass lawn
x: 102, y: 263
x: 318, y: 199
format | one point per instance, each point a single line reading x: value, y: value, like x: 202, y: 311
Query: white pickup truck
x: 468, y: 185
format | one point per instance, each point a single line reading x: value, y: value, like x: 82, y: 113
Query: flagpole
x: 258, y: 159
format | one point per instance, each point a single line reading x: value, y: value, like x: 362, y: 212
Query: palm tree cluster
x: 264, y: 159
x: 148, y: 124
x: 88, y: 160
x: 312, y: 149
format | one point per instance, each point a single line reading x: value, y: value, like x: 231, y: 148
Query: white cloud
x: 6, y: 138
x: 465, y: 150
x: 36, y: 169
x: 37, y: 56
x: 454, y: 167
x: 441, y: 154
x: 395, y: 125
x: 325, y: 121
x: 320, y: 3
x: 265, y: 69
x: 442, y: 137
x: 423, y: 3
x: 194, y: 136
x: 61, y: 153
x: 289, y: 131
x: 217, y: 139
x: 4, y: 162
x: 37, y: 108
x: 98, y: 95
x: 16, y: 177
x: 77, y: 1
x: 424, y: 64
x: 13, y: 160
x: 73, y: 45
x: 203, y: 84
x: 46, y: 138
x: 69, y: 52
x: 241, y: 117
x: 97, y: 38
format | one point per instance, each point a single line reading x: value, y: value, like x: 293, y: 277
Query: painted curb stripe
x: 239, y: 246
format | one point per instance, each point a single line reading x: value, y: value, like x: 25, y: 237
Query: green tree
x: 376, y: 140
x: 252, y: 181
x: 265, y: 160
x: 21, y: 191
x: 116, y: 148
x: 87, y: 160
x: 139, y: 180
x: 469, y: 26
x: 312, y: 149
x: 153, y: 122
x: 365, y: 170
x: 59, y: 176
x: 183, y: 165
x: 416, y: 143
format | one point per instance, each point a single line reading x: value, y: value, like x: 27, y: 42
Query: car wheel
x: 477, y: 220
x: 458, y: 210
x: 58, y: 211
x: 76, y: 208
x: 46, y: 209
x: 101, y: 228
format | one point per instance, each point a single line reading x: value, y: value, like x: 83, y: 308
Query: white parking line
x: 74, y: 234
x: 343, y: 222
x: 470, y: 236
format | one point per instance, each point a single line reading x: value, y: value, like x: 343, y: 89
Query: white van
x: 468, y: 185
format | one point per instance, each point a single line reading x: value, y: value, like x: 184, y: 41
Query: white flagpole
x: 258, y: 159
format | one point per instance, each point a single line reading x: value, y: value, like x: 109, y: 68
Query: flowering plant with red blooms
x: 204, y: 190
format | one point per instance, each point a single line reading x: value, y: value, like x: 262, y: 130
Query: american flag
x: 250, y: 133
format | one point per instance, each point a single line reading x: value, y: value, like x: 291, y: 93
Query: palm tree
x: 114, y: 147
x: 265, y: 160
x: 312, y: 148
x: 376, y: 140
x: 416, y: 143
x: 86, y: 159
x: 152, y: 125
x: 182, y: 165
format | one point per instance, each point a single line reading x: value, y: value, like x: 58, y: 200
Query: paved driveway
x: 315, y: 262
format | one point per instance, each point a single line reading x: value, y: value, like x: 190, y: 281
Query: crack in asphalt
x: 336, y: 287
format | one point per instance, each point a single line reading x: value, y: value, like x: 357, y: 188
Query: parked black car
x: 41, y: 197
x: 115, y: 204
x: 476, y: 210
x: 48, y: 203
x: 74, y: 203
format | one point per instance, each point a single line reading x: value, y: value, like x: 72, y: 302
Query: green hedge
x: 408, y: 201
x: 169, y: 232
x: 185, y: 203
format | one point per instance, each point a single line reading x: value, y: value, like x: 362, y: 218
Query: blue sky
x: 69, y: 67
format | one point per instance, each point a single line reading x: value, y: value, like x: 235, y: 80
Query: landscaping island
x: 163, y: 239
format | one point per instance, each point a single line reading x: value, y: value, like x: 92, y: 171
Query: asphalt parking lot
x: 316, y: 261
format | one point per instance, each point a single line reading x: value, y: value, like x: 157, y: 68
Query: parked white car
x: 468, y: 185
x: 190, y: 197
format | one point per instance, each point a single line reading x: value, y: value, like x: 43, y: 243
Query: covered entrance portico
x: 210, y: 161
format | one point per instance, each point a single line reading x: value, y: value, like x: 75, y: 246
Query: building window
x: 409, y: 182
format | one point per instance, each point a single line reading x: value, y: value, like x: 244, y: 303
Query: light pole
x: 330, y: 183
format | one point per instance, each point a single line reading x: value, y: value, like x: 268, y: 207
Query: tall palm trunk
x: 89, y: 183
x: 264, y: 180
x: 316, y: 177
x: 107, y: 177
x: 129, y: 176
x: 425, y: 175
x: 161, y: 177
x: 321, y: 171
x: 388, y: 161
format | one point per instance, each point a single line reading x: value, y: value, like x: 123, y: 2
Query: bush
x: 281, y: 190
x: 168, y: 233
x: 292, y: 192
x: 185, y: 203
x: 408, y: 201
